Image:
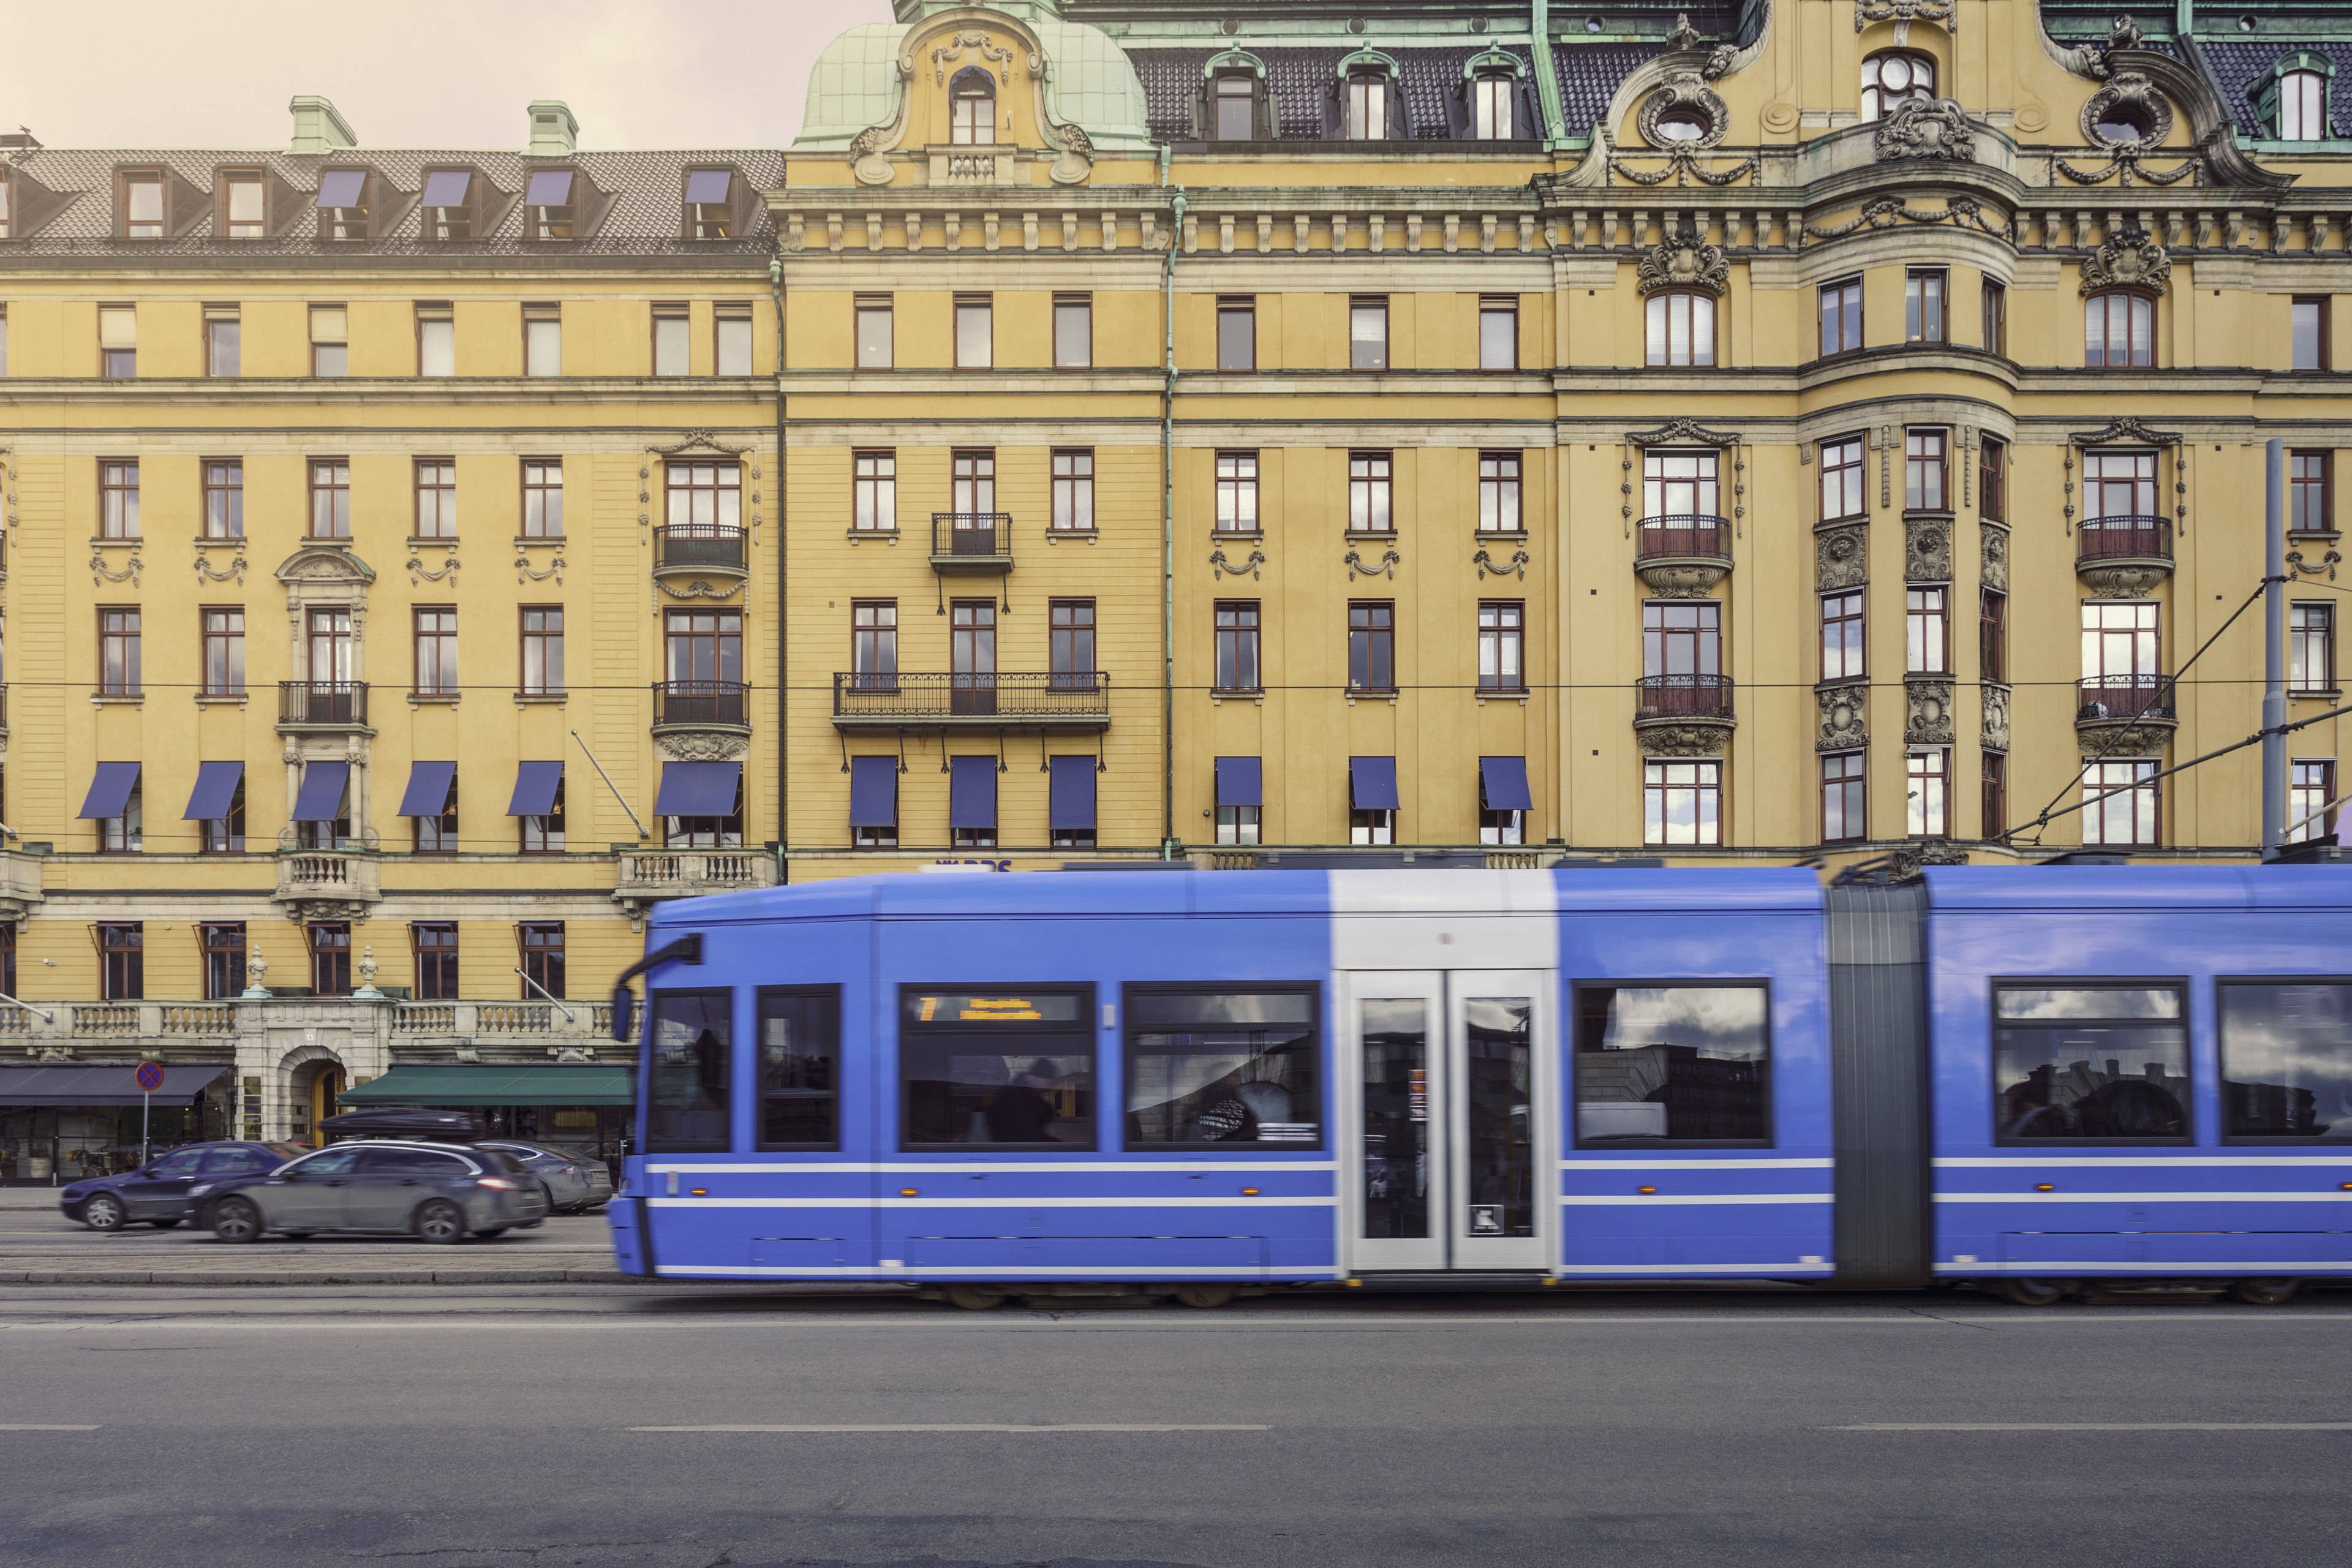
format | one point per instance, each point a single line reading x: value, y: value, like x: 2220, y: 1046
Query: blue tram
x: 1195, y: 1082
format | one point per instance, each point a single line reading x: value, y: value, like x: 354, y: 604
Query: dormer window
x: 242, y: 206
x: 448, y: 210
x: 342, y: 197
x: 142, y: 207
x: 1493, y: 96
x: 709, y: 205
x: 1233, y: 107
x: 7, y: 210
x: 1889, y: 78
x: 972, y: 109
x: 2302, y: 106
x: 1366, y: 96
x: 553, y: 212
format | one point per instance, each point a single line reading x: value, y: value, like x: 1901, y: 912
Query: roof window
x: 553, y: 215
x: 449, y: 209
x: 342, y: 200
x: 710, y: 207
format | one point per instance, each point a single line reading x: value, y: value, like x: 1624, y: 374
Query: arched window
x: 2303, y: 107
x: 2118, y: 330
x: 1233, y: 107
x: 1888, y: 79
x: 972, y: 109
x: 1493, y: 96
x: 1366, y: 97
x: 1681, y: 328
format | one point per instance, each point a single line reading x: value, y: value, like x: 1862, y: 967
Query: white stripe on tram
x: 957, y: 1426
x: 2329, y: 1197
x: 1239, y: 1274
x: 2302, y: 1267
x: 995, y: 1168
x: 2008, y: 1162
x: 1696, y: 1165
x: 1630, y: 1200
x: 1236, y: 1201
x: 1774, y: 1270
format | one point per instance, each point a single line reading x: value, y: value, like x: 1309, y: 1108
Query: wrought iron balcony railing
x: 1684, y: 697
x: 1683, y: 536
x: 322, y: 702
x: 973, y: 539
x: 2125, y: 697
x: 1080, y: 698
x: 697, y: 549
x: 701, y: 702
x: 2127, y: 537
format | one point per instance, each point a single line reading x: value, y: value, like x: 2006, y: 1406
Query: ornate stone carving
x: 2095, y: 60
x: 1685, y: 737
x: 1842, y: 557
x: 1077, y: 159
x: 1928, y: 712
x: 235, y: 572
x: 2109, y: 739
x: 1994, y: 729
x: 2132, y: 94
x: 420, y: 573
x: 1384, y: 567
x: 1682, y: 433
x: 866, y: 159
x: 2123, y: 579
x: 1684, y: 93
x: 1927, y: 128
x: 979, y: 43
x: 2326, y: 564
x: 99, y: 573
x: 1487, y: 566
x: 1683, y: 260
x: 307, y: 910
x: 1682, y: 579
x: 699, y: 589
x: 1920, y: 852
x: 2129, y: 258
x: 1222, y: 567
x: 1927, y: 550
x: 1684, y: 36
x: 2126, y: 430
x: 1901, y: 12
x: 1844, y: 717
x: 703, y: 745
x: 1994, y: 570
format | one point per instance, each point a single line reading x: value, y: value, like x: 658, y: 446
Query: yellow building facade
x: 1242, y: 433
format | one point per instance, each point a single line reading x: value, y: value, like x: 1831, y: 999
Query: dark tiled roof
x: 2241, y: 66
x: 1299, y: 93
x: 1590, y: 75
x: 636, y: 211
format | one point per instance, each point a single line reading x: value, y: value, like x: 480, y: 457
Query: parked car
x: 573, y: 1185
x: 439, y: 1191
x: 156, y: 1193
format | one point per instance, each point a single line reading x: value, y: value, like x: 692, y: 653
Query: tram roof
x: 1960, y: 888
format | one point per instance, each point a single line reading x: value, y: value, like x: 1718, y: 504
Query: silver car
x: 575, y: 1185
x: 438, y: 1192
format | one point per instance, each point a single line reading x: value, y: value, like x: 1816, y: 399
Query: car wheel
x: 974, y: 1298
x: 442, y: 1223
x: 104, y: 1211
x: 2034, y: 1292
x: 163, y: 1224
x: 236, y: 1220
x: 1204, y: 1296
x: 2265, y: 1292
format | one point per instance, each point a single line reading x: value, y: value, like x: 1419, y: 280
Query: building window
x: 1498, y: 331
x: 707, y: 832
x: 2302, y: 106
x: 2118, y: 484
x: 2311, y: 647
x: 874, y: 793
x: 1234, y: 107
x: 1504, y: 826
x: 1236, y: 331
x: 971, y: 489
x: 704, y: 500
x: 542, y: 498
x: 2121, y: 643
x: 971, y: 109
x: 1993, y: 329
x: 436, y: 341
x: 223, y: 946
x: 342, y: 197
x: 1889, y: 78
x: 542, y: 650
x: 330, y: 958
x: 2307, y: 474
x: 2127, y: 815
x: 1681, y: 328
x: 1372, y: 646
x: 1845, y: 804
x: 1237, y: 492
x: 122, y: 963
x: 1237, y: 645
x: 126, y: 834
x: 223, y: 345
x: 1498, y: 493
x: 1993, y: 635
x: 1842, y: 657
x: 873, y: 645
x: 1073, y: 332
x: 437, y: 498
x: 4, y: 369
x: 143, y: 205
x: 448, y: 204
x: 1502, y: 646
x: 1678, y: 485
x: 1922, y: 305
x: 436, y: 652
x: 705, y: 655
x: 1995, y: 804
x: 552, y: 213
x: 710, y: 204
x: 1842, y: 480
x: 874, y: 492
x: 223, y: 497
x: 1235, y: 825
x: 1842, y: 317
x: 330, y: 354
x: 1370, y: 477
x: 874, y: 340
x: 2118, y: 330
x: 731, y: 329
x: 1927, y: 631
x: 6, y: 232
x: 331, y: 498
x: 118, y: 499
x: 224, y: 653
x: 544, y: 835
x: 242, y: 207
x: 1927, y: 470
x: 118, y: 342
x: 433, y: 944
x: 1992, y: 479
x: 1074, y: 491
x: 2311, y: 801
x: 1682, y: 657
x: 436, y: 834
x: 1070, y: 643
x: 118, y: 653
x: 1367, y: 333
x: 1493, y: 98
x: 2310, y: 328
x: 1926, y: 807
x: 1367, y: 95
x: 1370, y: 825
x: 1682, y: 803
x: 331, y: 660
x: 975, y: 332
x: 225, y: 835
x: 673, y: 340
x: 542, y: 339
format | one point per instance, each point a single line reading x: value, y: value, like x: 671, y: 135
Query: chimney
x: 553, y: 132
x: 317, y: 127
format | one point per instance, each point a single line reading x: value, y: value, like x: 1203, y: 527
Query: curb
x: 335, y: 1277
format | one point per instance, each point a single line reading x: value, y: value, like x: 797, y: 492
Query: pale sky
x: 417, y: 73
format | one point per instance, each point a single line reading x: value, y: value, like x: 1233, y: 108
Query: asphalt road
x: 682, y: 1429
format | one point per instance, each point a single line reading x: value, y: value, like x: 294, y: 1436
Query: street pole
x: 2273, y: 646
x: 146, y: 1104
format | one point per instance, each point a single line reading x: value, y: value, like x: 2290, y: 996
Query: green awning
x: 416, y: 1084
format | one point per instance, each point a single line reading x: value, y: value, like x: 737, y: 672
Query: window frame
x: 1086, y: 1029
x: 2221, y: 1062
x: 1932, y: 460
x: 1378, y: 636
x: 423, y: 958
x: 1072, y: 473
x: 1993, y: 479
x: 1992, y: 803
x: 1697, y: 326
x: 1244, y: 639
x: 533, y: 646
x: 649, y: 1072
x: 327, y: 958
x: 538, y: 315
x: 2301, y: 97
x: 547, y: 958
x: 1927, y: 305
x: 2322, y: 308
x: 336, y: 491
x: 435, y: 480
x: 2178, y: 983
x: 967, y: 91
x: 966, y: 309
x: 1502, y: 494
x: 127, y: 225
x: 874, y: 491
x: 1872, y: 104
x: 731, y: 319
x: 1703, y: 788
x: 1840, y: 301
x: 1851, y: 785
x: 2321, y: 828
x: 548, y: 495
x: 121, y: 655
x: 1920, y: 610
x: 2125, y: 795
x: 441, y: 315
x: 2311, y: 476
x: 1316, y: 1030
x: 865, y: 311
x: 1367, y: 101
x: 1079, y: 308
x: 118, y: 499
x: 1852, y: 662
x: 223, y: 477
x: 1237, y: 486
x: 2302, y: 638
x: 1853, y: 476
x: 334, y: 343
x: 122, y: 966
x: 671, y: 323
x: 1507, y: 635
x: 543, y: 835
x: 116, y: 363
x: 1073, y: 663
x: 224, y: 350
x: 2135, y: 306
x: 226, y: 184
x: 1993, y: 635
x: 209, y: 948
x: 1220, y: 96
x: 1369, y: 307
x: 441, y: 837
x: 1935, y: 823
x: 230, y: 640
x: 1507, y: 308
x: 1771, y: 1108
x: 1992, y: 323
x: 1236, y: 328
x: 1375, y: 487
x: 831, y: 995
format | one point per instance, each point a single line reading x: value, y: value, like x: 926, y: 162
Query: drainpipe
x: 1555, y: 115
x: 1168, y: 844
x: 783, y: 666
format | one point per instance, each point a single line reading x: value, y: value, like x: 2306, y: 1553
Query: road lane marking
x: 951, y: 1426
x: 41, y: 1427
x: 2095, y: 1427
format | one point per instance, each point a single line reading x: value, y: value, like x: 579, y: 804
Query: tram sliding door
x: 1447, y: 1079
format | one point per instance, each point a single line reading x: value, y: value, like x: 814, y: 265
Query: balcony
x: 702, y: 705
x: 329, y: 884
x: 1681, y: 556
x: 1683, y: 715
x: 2123, y: 557
x: 698, y: 551
x: 322, y: 705
x: 645, y: 877
x: 2124, y: 699
x: 976, y: 542
x: 1030, y: 699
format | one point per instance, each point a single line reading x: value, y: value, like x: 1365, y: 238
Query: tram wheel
x: 1204, y: 1296
x: 2034, y: 1292
x: 974, y: 1298
x: 2265, y: 1292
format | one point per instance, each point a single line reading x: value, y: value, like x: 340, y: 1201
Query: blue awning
x: 549, y: 188
x: 216, y: 789
x: 1239, y: 782
x: 1073, y: 803
x: 1371, y: 783
x: 873, y: 792
x: 698, y: 789
x: 705, y: 185
x: 972, y: 791
x: 447, y: 188
x: 341, y: 187
x: 428, y: 789
x: 535, y: 787
x: 322, y: 797
x: 110, y: 792
x: 1503, y: 783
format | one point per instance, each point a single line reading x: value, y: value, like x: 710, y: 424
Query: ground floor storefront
x: 580, y: 1110
x: 62, y: 1122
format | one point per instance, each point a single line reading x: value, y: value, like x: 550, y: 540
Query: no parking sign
x: 150, y: 1076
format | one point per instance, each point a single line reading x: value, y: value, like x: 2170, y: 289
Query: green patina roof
x: 1089, y: 81
x: 438, y: 1086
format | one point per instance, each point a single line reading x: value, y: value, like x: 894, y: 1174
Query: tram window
x: 1674, y: 1064
x: 2090, y: 1064
x: 691, y: 1042
x: 799, y: 1055
x: 1213, y: 1068
x: 2286, y: 1060
x: 1012, y: 1068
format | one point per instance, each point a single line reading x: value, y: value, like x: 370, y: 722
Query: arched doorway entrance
x: 315, y: 1088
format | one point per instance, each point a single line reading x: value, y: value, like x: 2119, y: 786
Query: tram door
x: 1446, y: 1076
